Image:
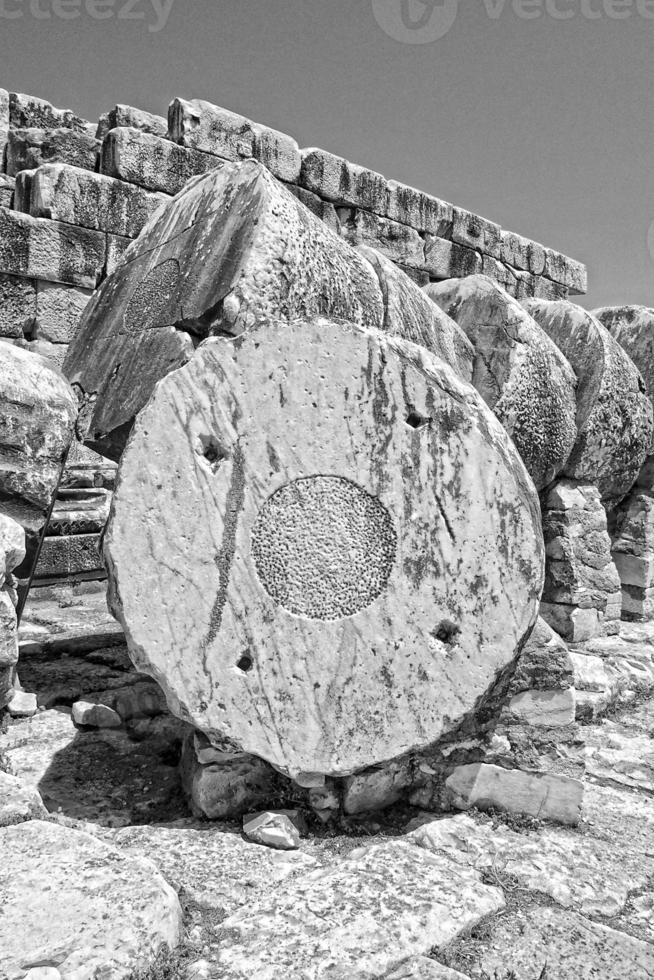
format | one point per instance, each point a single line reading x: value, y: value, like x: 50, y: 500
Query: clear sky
x: 539, y: 120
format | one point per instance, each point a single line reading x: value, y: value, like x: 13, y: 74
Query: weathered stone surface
x: 619, y: 756
x: 566, y: 271
x: 544, y: 663
x: 422, y: 211
x: 411, y: 314
x: 18, y: 802
x: 8, y: 646
x: 399, y: 243
x: 40, y: 249
x: 95, y: 715
x: 322, y: 209
x: 133, y: 118
x: 633, y: 328
x: 544, y: 709
x: 95, y: 201
x: 36, y: 425
x: 227, y: 787
x: 614, y: 415
x: 152, y: 162
x: 545, y: 796
x: 566, y: 945
x: 385, y: 462
x: 211, y: 129
x: 71, y: 555
x: 362, y: 919
x: 514, y: 250
x: 58, y: 311
x: 4, y: 126
x: 240, y: 871
x: 30, y: 148
x: 448, y: 260
x: 112, y: 913
x: 272, y: 829
x: 518, y: 371
x: 22, y: 704
x: 336, y: 179
x: 234, y: 249
x: 575, y: 872
x: 17, y: 305
x: 376, y: 788
x: 7, y: 187
x: 424, y: 968
x: 476, y: 232
x: 580, y: 576
x: 29, y: 112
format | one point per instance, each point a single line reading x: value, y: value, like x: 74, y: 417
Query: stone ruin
x: 373, y: 469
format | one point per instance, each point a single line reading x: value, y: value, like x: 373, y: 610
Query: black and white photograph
x: 326, y: 490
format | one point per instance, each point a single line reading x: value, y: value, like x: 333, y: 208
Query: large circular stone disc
x: 323, y: 545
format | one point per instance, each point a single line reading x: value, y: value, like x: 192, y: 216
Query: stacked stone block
x: 582, y: 593
x: 633, y: 553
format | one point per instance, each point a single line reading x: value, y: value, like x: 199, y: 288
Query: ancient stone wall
x: 74, y: 194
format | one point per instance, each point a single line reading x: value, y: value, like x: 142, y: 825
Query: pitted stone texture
x: 73, y: 901
x: 17, y: 306
x: 249, y: 416
x: 360, y: 920
x: 518, y: 371
x: 633, y: 553
x: 29, y: 112
x: 323, y: 547
x: 130, y: 116
x: 247, y: 250
x: 614, y: 414
x: 633, y: 328
x: 409, y: 313
x: 19, y: 802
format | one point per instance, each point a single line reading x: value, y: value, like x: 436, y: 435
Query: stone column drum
x: 323, y: 545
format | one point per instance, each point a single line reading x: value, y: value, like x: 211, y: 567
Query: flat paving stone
x: 360, y: 919
x: 213, y: 866
x: 567, y: 946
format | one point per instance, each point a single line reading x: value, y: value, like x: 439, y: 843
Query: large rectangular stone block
x: 399, y: 242
x: 202, y: 126
x: 58, y: 311
x: 152, y: 162
x: 476, y: 232
x: 42, y: 249
x: 30, y: 148
x: 419, y: 210
x: 635, y: 570
x: 514, y: 250
x: 567, y: 271
x: 72, y: 555
x: 17, y: 306
x: 546, y: 289
x: 94, y: 201
x: 28, y: 112
x: 448, y: 260
x: 342, y: 182
x: 637, y: 604
x: 129, y: 116
x: 4, y: 125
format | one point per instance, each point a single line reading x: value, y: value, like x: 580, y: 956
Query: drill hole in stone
x: 447, y: 632
x: 246, y: 663
x: 213, y: 452
x: 416, y: 421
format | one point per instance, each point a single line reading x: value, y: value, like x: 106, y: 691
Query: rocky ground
x: 402, y: 895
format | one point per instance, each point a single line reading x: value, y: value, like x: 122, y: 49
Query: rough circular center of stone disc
x: 150, y: 300
x: 323, y: 547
